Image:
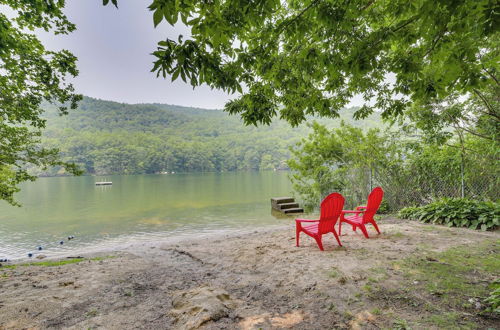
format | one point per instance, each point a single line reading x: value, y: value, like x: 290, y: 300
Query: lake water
x: 135, y: 208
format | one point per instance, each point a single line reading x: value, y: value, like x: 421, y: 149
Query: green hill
x: 107, y: 137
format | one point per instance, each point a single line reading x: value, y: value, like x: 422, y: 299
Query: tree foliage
x: 105, y: 137
x: 411, y: 170
x: 29, y: 75
x: 294, y: 58
x: 336, y: 160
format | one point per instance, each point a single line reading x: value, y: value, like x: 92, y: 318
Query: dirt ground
x: 260, y: 280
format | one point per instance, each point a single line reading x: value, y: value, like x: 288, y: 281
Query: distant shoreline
x: 174, y: 172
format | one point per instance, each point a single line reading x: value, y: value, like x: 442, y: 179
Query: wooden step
x: 293, y: 210
x: 277, y: 201
x: 284, y: 206
x: 281, y: 200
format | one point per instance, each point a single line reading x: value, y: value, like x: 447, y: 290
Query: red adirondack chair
x: 364, y: 214
x: 331, y: 207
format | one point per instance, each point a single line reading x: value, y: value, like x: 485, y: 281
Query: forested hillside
x: 106, y: 137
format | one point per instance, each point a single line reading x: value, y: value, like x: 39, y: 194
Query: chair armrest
x: 305, y: 220
x: 350, y: 211
x: 360, y: 207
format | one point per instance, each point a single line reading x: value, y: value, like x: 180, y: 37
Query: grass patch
x: 400, y: 324
x: 334, y: 273
x: 439, y: 287
x: 377, y: 274
x: 92, y: 313
x: 361, y: 253
x: 102, y: 258
x: 449, y: 320
x: 55, y: 263
x: 424, y: 247
x: 456, y: 273
x: 450, y: 279
x: 348, y: 315
x: 332, y: 308
x: 367, y: 288
x: 395, y: 296
x: 396, y: 234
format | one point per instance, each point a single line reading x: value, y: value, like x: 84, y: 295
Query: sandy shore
x: 248, y: 280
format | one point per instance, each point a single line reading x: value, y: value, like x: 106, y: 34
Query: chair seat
x: 312, y: 229
x: 353, y: 219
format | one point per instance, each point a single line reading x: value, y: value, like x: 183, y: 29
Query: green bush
x: 384, y: 207
x: 456, y: 212
x: 493, y: 300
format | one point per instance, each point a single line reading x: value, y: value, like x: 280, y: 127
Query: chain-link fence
x: 412, y: 189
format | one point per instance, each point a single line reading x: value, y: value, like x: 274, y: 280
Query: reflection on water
x: 136, y: 207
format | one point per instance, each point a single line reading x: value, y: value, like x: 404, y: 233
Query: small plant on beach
x: 92, y: 313
x: 400, y: 325
x: 332, y: 308
x: 456, y: 212
x: 334, y: 273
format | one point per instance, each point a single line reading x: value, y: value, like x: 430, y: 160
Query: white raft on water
x: 103, y: 183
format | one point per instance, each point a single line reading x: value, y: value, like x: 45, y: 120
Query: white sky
x: 113, y: 47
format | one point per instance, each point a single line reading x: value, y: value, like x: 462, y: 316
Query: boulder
x: 195, y: 307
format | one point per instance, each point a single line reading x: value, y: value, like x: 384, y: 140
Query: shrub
x: 384, y: 207
x: 493, y: 300
x: 456, y: 212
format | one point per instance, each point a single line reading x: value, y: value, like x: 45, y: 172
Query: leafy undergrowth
x: 456, y: 212
x: 454, y: 289
x: 493, y: 299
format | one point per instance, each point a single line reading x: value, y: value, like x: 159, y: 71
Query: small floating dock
x: 286, y: 205
x: 103, y: 183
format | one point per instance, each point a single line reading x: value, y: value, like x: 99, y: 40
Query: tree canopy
x: 30, y: 74
x: 105, y: 137
x: 411, y: 170
x: 293, y: 58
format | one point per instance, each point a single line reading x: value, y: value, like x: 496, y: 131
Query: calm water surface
x: 136, y: 207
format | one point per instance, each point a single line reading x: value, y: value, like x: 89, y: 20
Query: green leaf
x: 157, y: 16
x: 175, y: 75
